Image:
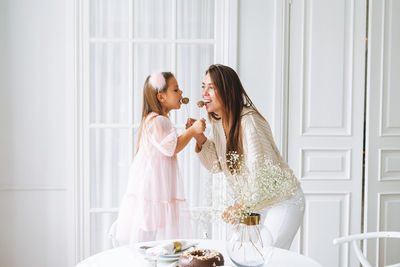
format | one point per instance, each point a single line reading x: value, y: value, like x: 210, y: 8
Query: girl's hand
x: 198, y: 126
x: 190, y: 122
x: 199, y: 136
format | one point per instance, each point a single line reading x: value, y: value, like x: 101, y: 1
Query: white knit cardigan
x: 257, y: 142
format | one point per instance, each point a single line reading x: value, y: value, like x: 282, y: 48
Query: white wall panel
x: 34, y: 228
x: 332, y: 211
x: 389, y: 220
x: 389, y: 164
x: 325, y: 164
x: 36, y: 81
x: 391, y: 63
x: 326, y: 66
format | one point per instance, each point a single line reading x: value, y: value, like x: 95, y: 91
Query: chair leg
x: 360, y: 255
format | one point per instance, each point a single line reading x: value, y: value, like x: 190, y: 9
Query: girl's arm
x: 200, y: 138
x: 205, y: 149
x: 196, y: 129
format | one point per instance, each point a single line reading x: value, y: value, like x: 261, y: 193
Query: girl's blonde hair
x: 151, y: 102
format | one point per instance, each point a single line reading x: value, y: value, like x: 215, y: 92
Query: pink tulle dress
x: 154, y: 205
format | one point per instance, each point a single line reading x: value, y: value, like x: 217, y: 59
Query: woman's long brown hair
x: 150, y: 101
x: 234, y: 98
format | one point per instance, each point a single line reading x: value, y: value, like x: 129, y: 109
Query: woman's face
x: 211, y: 97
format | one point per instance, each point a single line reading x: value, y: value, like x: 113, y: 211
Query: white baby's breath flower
x: 252, y: 185
x: 258, y: 183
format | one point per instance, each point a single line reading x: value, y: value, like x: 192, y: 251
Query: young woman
x: 237, y: 127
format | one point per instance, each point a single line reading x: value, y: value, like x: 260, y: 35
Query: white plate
x: 168, y: 257
x: 171, y: 256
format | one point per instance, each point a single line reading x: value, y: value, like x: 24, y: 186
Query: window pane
x: 147, y: 58
x: 196, y: 179
x: 190, y: 76
x: 152, y: 19
x: 134, y: 136
x: 108, y: 83
x: 195, y: 19
x: 108, y: 18
x: 100, y: 223
x: 198, y: 185
x: 109, y: 165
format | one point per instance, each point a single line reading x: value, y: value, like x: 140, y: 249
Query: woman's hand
x: 199, y: 126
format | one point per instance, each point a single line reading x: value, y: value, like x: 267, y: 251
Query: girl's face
x: 171, y: 98
x: 211, y: 97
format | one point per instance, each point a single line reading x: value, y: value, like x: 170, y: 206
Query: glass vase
x: 249, y: 242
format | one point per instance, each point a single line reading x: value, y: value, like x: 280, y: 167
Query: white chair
x: 112, y: 234
x: 357, y: 237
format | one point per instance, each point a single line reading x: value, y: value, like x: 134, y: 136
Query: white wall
x: 36, y: 136
x: 260, y: 51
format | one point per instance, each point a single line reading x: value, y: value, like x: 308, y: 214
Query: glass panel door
x: 123, y: 41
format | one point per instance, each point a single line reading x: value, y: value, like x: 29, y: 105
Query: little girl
x: 154, y: 204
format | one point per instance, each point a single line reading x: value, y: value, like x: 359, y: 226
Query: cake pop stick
x: 201, y: 104
x: 185, y: 100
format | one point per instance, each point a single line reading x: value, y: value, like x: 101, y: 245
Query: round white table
x: 129, y: 257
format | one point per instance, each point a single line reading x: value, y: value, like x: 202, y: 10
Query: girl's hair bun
x: 157, y: 80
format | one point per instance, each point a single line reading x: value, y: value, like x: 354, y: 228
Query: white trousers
x: 283, y: 219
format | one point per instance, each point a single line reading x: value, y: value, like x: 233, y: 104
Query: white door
x: 382, y: 173
x: 325, y: 122
x: 122, y: 42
